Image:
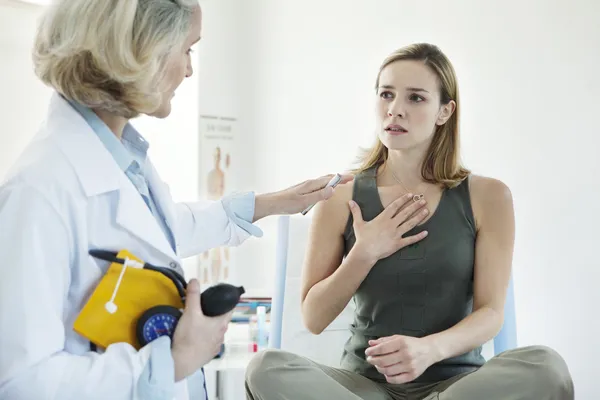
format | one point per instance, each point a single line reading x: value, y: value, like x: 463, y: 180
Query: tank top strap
x: 366, y: 195
x: 460, y: 197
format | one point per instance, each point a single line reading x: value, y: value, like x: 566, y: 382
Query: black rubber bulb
x: 220, y: 299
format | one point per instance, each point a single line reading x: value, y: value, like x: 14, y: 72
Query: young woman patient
x: 425, y: 249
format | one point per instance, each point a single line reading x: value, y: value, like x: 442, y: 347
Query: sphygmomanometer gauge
x: 156, y: 322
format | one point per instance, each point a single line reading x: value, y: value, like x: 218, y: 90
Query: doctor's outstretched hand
x: 197, y: 338
x: 296, y: 198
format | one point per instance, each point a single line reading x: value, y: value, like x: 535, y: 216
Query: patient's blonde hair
x: 110, y: 54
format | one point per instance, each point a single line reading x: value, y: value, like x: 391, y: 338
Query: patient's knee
x: 552, y: 374
x: 264, y: 364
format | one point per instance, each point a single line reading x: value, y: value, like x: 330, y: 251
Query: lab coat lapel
x: 98, y: 173
x: 134, y: 216
x: 162, y: 196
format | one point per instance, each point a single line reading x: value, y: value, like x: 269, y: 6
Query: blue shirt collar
x: 132, y: 149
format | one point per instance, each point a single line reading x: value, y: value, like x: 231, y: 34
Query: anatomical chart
x: 217, y: 135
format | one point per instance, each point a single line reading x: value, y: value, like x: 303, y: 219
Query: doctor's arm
x: 203, y: 225
x: 38, y: 272
x: 230, y: 221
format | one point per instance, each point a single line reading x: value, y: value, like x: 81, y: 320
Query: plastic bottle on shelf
x: 262, y: 332
x: 252, y: 333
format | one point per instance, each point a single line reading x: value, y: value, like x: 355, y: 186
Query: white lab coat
x: 65, y: 196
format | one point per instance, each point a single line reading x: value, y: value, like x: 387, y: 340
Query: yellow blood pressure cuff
x: 124, y: 293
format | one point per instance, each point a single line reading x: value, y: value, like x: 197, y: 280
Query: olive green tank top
x: 422, y: 289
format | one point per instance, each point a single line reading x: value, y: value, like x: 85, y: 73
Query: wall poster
x: 217, y: 179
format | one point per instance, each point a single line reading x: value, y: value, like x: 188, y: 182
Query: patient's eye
x: 416, y: 98
x: 386, y: 94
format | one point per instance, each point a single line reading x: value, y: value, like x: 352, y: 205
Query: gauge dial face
x: 156, y: 322
x: 159, y: 325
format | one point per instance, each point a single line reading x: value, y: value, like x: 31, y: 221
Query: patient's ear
x: 446, y: 111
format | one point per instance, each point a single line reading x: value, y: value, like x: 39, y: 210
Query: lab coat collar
x: 98, y: 173
x: 115, y: 146
x: 93, y: 164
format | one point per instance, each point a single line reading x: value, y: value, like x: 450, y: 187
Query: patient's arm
x: 328, y: 283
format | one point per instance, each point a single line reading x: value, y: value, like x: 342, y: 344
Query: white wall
x: 529, y: 82
x: 23, y: 99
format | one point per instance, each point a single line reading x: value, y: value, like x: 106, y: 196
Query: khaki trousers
x: 532, y: 373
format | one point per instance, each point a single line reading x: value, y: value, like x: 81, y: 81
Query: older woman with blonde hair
x: 424, y: 248
x: 86, y: 182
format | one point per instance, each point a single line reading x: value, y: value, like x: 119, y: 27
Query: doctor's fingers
x: 192, y: 297
x: 318, y: 185
x: 224, y: 322
x: 216, y: 325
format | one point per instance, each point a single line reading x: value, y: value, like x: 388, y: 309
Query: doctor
x: 86, y: 182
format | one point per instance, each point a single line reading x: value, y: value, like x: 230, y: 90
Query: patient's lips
x: 396, y: 129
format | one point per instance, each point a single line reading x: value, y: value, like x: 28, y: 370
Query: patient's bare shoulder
x: 333, y: 214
